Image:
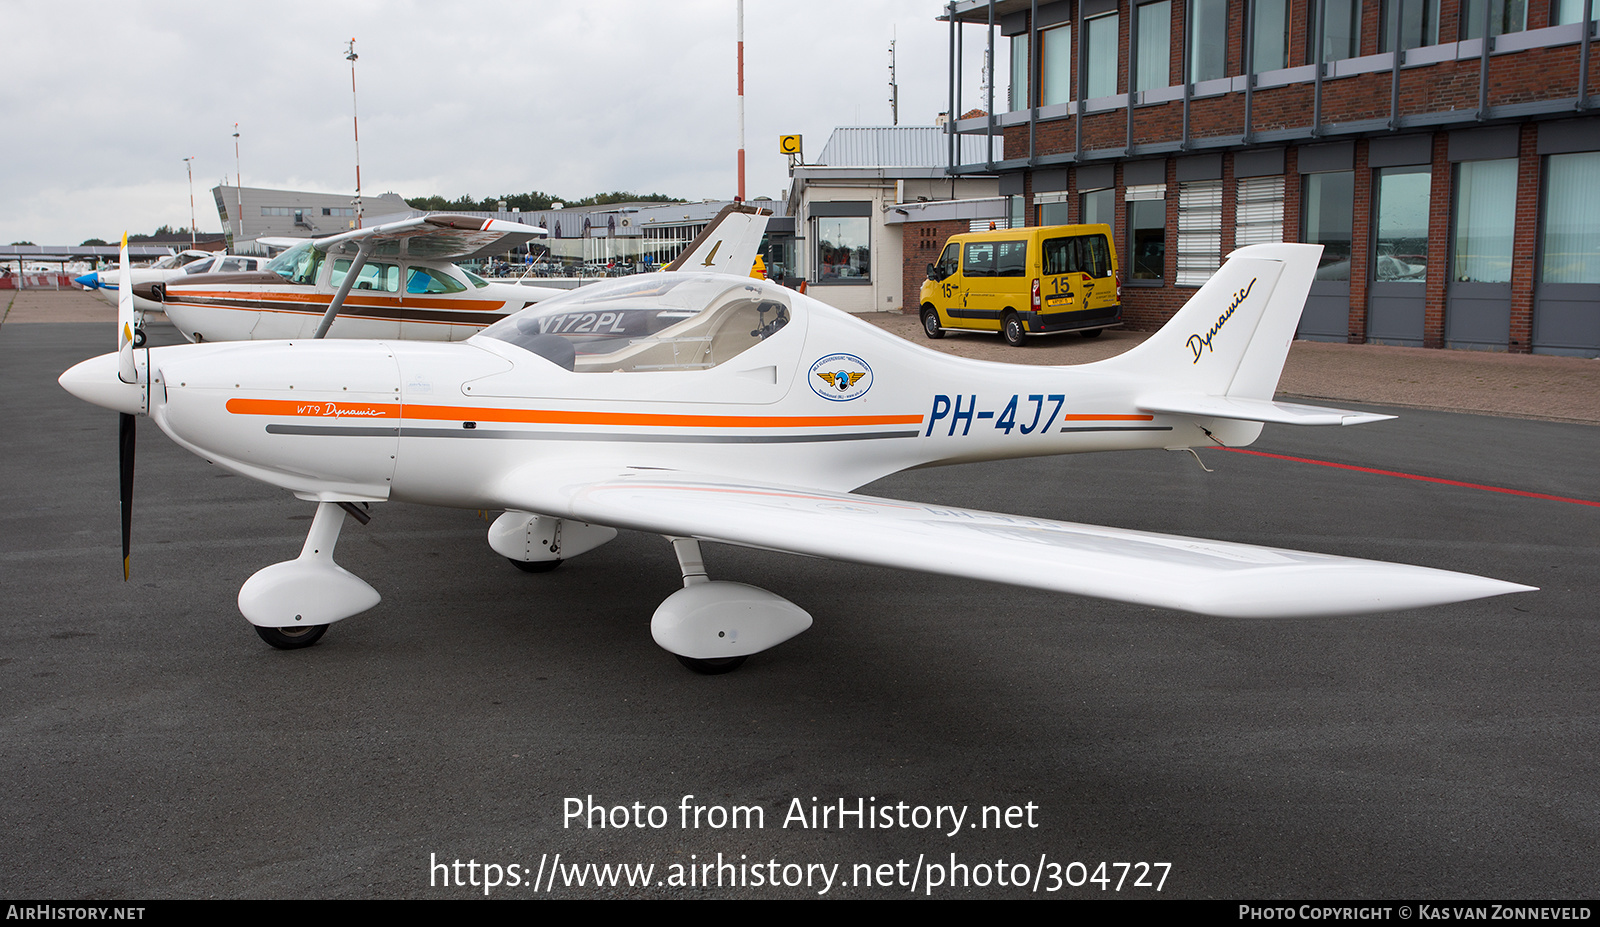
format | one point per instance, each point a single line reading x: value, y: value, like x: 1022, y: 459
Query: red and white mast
x: 741, y: 101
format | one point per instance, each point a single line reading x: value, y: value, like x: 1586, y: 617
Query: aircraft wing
x: 438, y: 237
x: 1166, y: 571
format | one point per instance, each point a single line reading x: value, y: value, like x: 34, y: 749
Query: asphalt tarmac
x: 155, y: 748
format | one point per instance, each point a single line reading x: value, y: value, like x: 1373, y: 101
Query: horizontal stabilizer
x: 1255, y: 410
x: 1166, y: 571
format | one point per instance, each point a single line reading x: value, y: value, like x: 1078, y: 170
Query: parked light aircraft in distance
x: 395, y: 280
x: 719, y: 408
x: 103, y: 282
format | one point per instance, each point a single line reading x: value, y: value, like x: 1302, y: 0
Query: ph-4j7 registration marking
x: 963, y: 411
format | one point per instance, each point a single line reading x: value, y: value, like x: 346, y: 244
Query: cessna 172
x: 410, y: 288
x: 718, y: 408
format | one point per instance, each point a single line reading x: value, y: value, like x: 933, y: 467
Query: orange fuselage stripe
x: 550, y: 416
x: 354, y: 299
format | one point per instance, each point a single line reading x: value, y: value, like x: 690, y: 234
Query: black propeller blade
x: 126, y: 426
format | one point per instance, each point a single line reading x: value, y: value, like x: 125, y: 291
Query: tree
x: 22, y: 243
x: 95, y: 242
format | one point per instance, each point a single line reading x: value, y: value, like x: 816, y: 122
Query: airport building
x: 1453, y: 182
x: 870, y: 187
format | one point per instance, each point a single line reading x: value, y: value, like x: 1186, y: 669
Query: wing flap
x: 1166, y: 571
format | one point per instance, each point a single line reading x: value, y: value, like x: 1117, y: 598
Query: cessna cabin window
x: 374, y: 275
x: 428, y: 280
x: 674, y: 324
x: 474, y: 279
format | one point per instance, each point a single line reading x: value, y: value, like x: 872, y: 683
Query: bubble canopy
x: 652, y: 323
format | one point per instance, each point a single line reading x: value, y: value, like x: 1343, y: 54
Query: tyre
x: 1011, y: 329
x: 930, y: 323
x: 535, y: 566
x: 1091, y: 332
x: 292, y: 638
x: 713, y: 667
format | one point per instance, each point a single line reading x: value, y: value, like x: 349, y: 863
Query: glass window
x: 1486, y: 212
x: 1329, y: 204
x: 1199, y: 231
x: 1098, y: 207
x: 1341, y: 29
x: 1055, y: 65
x: 1504, y: 16
x: 1079, y: 254
x: 428, y: 280
x: 1019, y: 71
x: 1419, y: 24
x: 684, y: 324
x: 1147, y: 230
x: 1051, y: 208
x: 1570, y: 251
x: 995, y: 259
x: 372, y: 276
x: 1566, y: 11
x: 298, y: 265
x: 843, y: 249
x: 947, y: 261
x: 1154, y: 21
x: 1258, y: 211
x: 1208, y: 40
x: 1271, y: 38
x: 1101, y: 63
x: 1401, y: 252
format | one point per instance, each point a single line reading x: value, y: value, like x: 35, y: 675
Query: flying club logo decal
x: 840, y: 377
x: 1200, y: 343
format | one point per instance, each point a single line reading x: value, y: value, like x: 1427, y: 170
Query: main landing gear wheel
x: 535, y: 566
x: 713, y: 667
x: 1092, y: 332
x: 138, y: 337
x: 292, y: 638
x: 1011, y: 328
x: 930, y: 324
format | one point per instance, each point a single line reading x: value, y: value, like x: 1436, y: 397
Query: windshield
x: 297, y: 265
x: 674, y: 322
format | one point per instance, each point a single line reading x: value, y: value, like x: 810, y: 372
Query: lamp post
x: 188, y: 163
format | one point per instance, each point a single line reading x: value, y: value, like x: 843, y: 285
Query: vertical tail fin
x: 728, y: 245
x: 1233, y: 335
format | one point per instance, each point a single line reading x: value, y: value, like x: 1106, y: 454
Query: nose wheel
x: 292, y: 638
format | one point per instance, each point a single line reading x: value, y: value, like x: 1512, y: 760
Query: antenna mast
x: 355, y: 122
x: 894, y: 87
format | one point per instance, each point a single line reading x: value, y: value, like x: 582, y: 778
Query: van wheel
x: 930, y: 323
x: 1011, y: 329
x: 1091, y: 332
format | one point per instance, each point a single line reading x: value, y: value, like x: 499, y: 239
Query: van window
x: 948, y: 261
x: 996, y: 259
x: 1081, y: 254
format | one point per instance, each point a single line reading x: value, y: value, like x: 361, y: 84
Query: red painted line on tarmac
x: 1414, y: 476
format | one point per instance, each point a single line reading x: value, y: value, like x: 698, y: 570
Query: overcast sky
x: 101, y: 102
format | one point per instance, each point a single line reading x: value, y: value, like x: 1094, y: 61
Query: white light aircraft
x: 104, y: 282
x: 718, y: 408
x: 395, y: 280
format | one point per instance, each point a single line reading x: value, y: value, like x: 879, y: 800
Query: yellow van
x: 1028, y: 281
